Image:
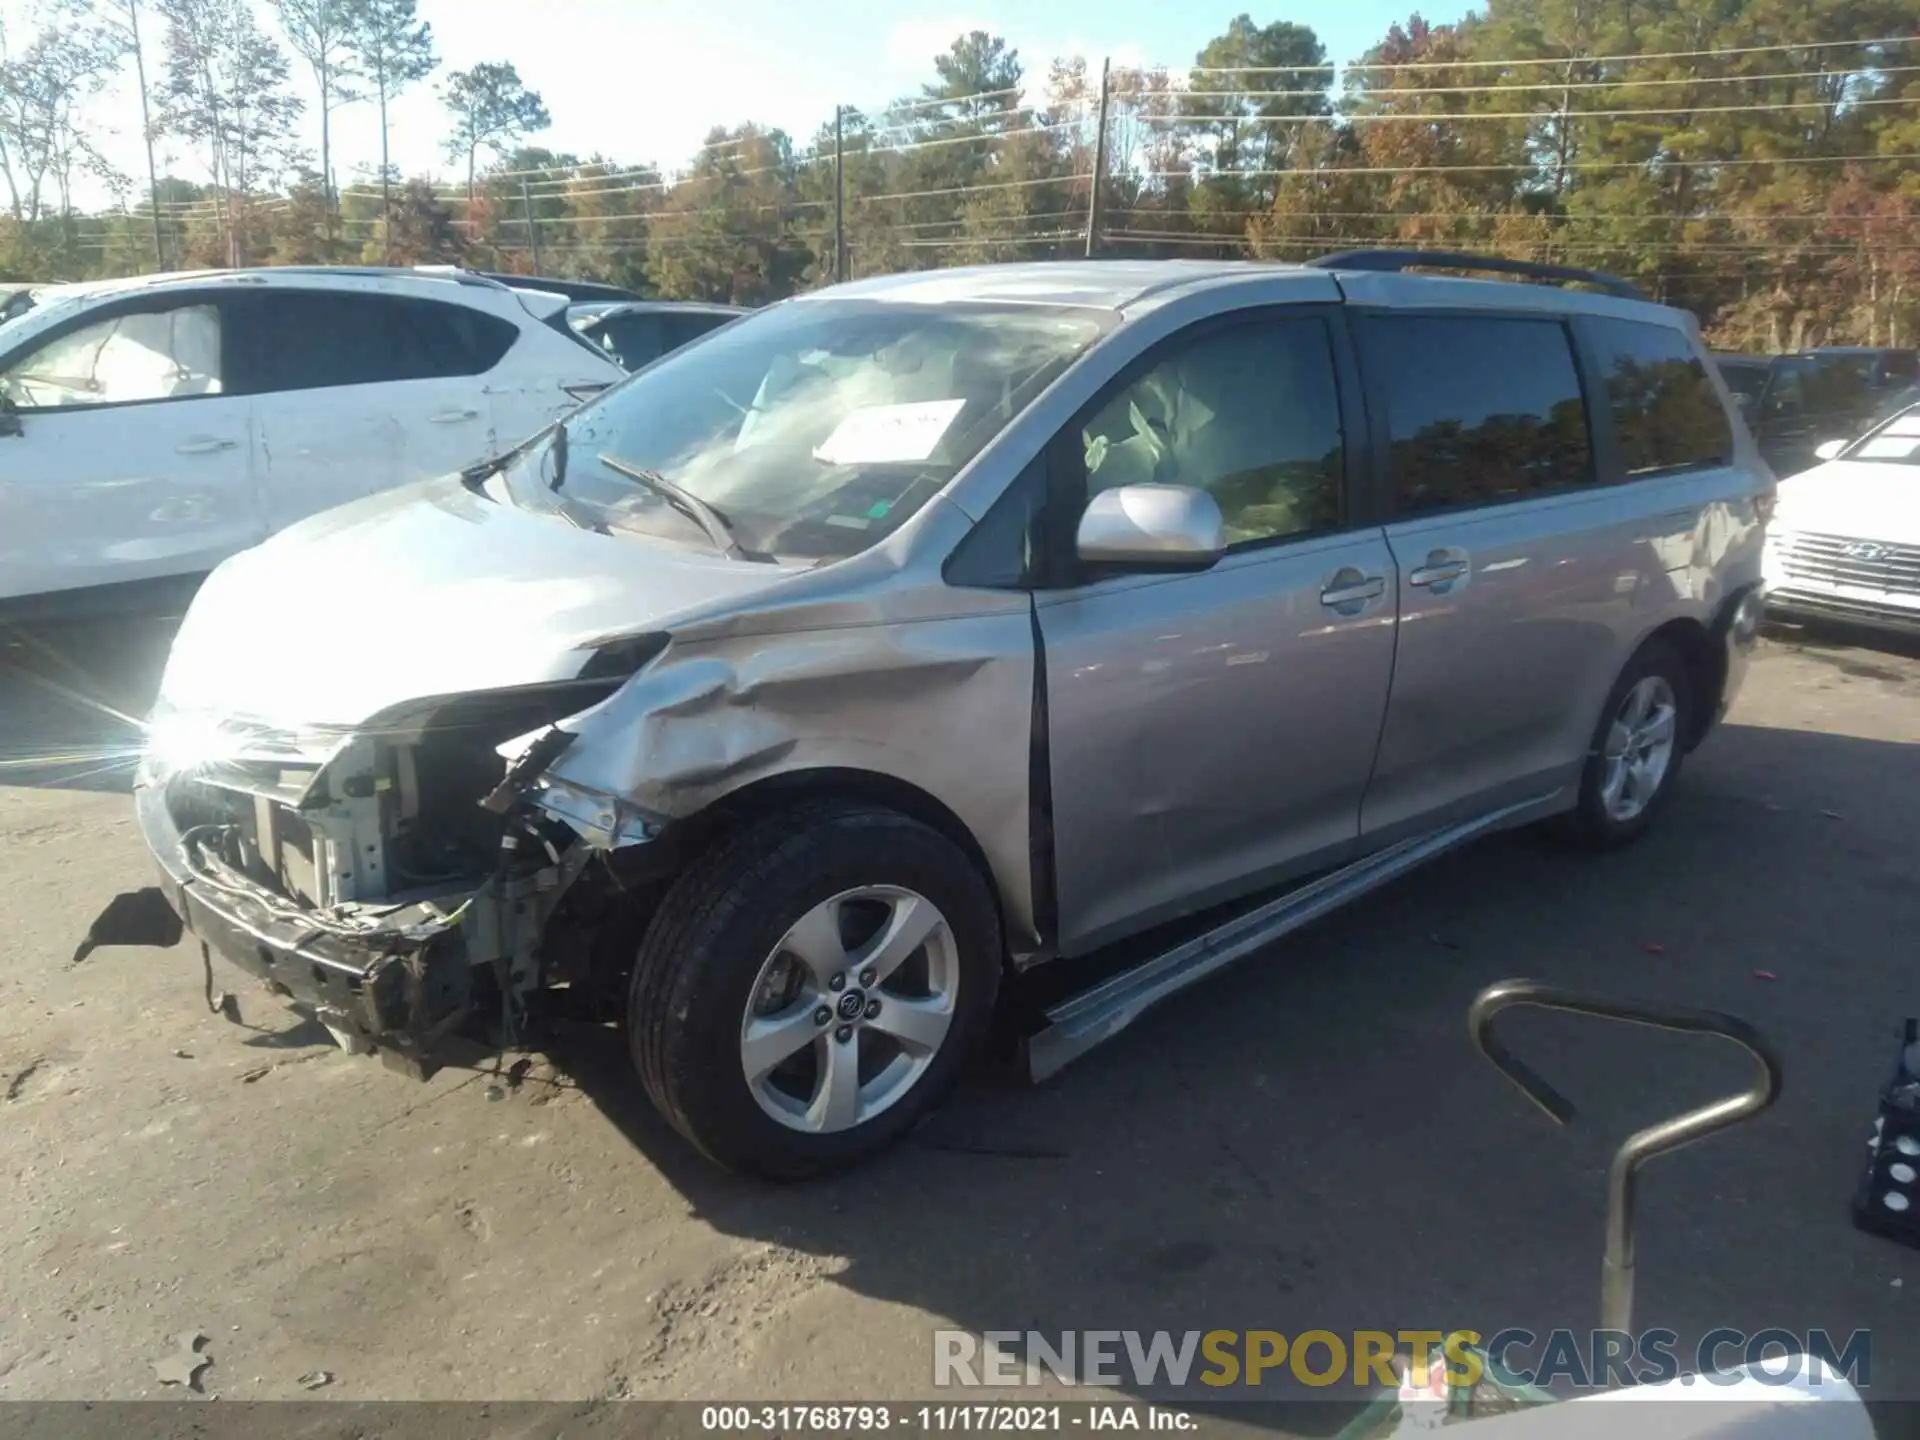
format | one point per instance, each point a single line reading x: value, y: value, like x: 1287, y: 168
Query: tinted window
x: 1822, y: 385
x: 307, y: 340
x: 1666, y: 413
x: 634, y: 340
x: 688, y: 326
x: 1747, y: 379
x: 1479, y: 409
x: 1250, y: 414
x: 146, y: 355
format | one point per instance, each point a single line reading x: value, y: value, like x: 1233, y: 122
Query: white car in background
x: 1845, y: 539
x: 151, y: 427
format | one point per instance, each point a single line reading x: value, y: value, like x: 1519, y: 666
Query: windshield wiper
x: 688, y: 504
x: 484, y: 470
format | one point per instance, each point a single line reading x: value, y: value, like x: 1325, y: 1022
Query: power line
x: 1052, y: 237
x: 1155, y: 237
x: 1535, y: 60
x: 972, y: 189
x: 1428, y: 118
x: 1553, y: 217
x: 1335, y: 171
x: 1371, y: 93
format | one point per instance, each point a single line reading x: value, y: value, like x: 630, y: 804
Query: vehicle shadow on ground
x: 1309, y: 1141
x: 1844, y: 644
x: 72, y: 697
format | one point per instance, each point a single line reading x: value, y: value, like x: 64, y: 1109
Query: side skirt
x: 1079, y: 1023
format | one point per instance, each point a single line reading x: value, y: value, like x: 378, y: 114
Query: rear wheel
x: 1635, y: 757
x: 810, y: 988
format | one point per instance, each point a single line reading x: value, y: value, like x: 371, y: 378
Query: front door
x: 1210, y: 733
x: 131, y: 460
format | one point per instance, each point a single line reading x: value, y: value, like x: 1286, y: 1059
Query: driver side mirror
x: 1829, y: 449
x: 10, y: 418
x: 1173, y: 527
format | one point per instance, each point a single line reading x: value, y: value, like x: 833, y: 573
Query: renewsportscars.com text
x: 1596, y: 1359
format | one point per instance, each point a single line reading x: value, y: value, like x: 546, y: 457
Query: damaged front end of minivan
x: 403, y: 880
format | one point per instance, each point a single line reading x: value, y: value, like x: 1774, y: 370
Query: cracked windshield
x: 819, y: 428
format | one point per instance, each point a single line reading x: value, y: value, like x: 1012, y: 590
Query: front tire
x: 810, y: 988
x: 1634, y: 760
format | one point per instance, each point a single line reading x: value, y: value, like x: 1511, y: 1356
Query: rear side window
x: 310, y: 340
x: 685, y: 328
x: 1746, y: 379
x: 1666, y: 413
x: 634, y: 339
x: 1480, y: 409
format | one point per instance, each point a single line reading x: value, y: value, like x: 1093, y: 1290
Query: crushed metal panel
x: 941, y: 704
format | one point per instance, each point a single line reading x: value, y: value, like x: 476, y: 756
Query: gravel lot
x: 1307, y: 1141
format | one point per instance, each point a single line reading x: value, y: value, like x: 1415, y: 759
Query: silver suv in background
x: 799, y: 695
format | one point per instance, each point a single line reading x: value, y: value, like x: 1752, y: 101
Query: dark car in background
x: 1813, y: 396
x: 639, y: 332
x: 585, y: 291
x: 1746, y: 377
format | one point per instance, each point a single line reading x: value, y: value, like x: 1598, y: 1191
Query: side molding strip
x: 1095, y: 1015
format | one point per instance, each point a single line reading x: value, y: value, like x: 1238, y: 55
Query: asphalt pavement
x: 1307, y: 1141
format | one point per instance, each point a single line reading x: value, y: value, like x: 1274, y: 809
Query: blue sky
x: 642, y: 80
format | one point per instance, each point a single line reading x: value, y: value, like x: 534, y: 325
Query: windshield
x: 1895, y: 443
x: 814, y: 429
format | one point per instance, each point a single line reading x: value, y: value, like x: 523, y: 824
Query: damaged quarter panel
x: 905, y: 678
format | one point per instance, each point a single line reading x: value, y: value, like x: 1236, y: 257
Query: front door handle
x: 1443, y: 567
x: 1350, y: 587
x: 453, y: 417
x: 204, y: 445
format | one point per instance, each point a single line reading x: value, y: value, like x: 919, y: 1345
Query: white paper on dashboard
x: 889, y: 434
x: 1904, y: 425
x: 1890, y: 447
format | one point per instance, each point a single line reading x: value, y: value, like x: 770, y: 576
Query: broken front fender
x: 942, y: 705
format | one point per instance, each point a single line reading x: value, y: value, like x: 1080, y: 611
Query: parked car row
x: 637, y: 333
x: 899, y: 639
x: 1794, y: 403
x: 151, y: 427
x: 1845, y: 543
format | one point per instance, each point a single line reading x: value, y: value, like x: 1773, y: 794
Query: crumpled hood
x: 425, y: 590
x: 1864, y: 499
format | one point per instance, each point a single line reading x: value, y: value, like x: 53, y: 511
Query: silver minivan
x: 803, y: 693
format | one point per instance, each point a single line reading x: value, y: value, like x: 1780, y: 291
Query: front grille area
x: 1839, y: 560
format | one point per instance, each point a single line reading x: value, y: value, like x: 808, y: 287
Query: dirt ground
x: 1306, y: 1141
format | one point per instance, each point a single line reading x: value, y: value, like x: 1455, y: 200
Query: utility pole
x: 839, y: 197
x: 1099, y: 167
x: 146, y: 129
x: 533, y: 230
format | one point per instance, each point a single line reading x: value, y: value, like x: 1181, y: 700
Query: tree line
x: 1752, y: 160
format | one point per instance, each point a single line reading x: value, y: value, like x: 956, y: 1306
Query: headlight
x: 180, y: 742
x: 183, y: 741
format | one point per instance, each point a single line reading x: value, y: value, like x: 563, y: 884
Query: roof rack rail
x: 1395, y: 261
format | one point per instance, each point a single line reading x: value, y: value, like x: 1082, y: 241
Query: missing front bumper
x: 405, y: 991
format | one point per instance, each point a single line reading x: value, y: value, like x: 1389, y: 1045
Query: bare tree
x: 490, y: 107
x: 226, y: 88
x: 319, y: 32
x: 120, y: 21
x: 393, y: 49
x: 41, y: 88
